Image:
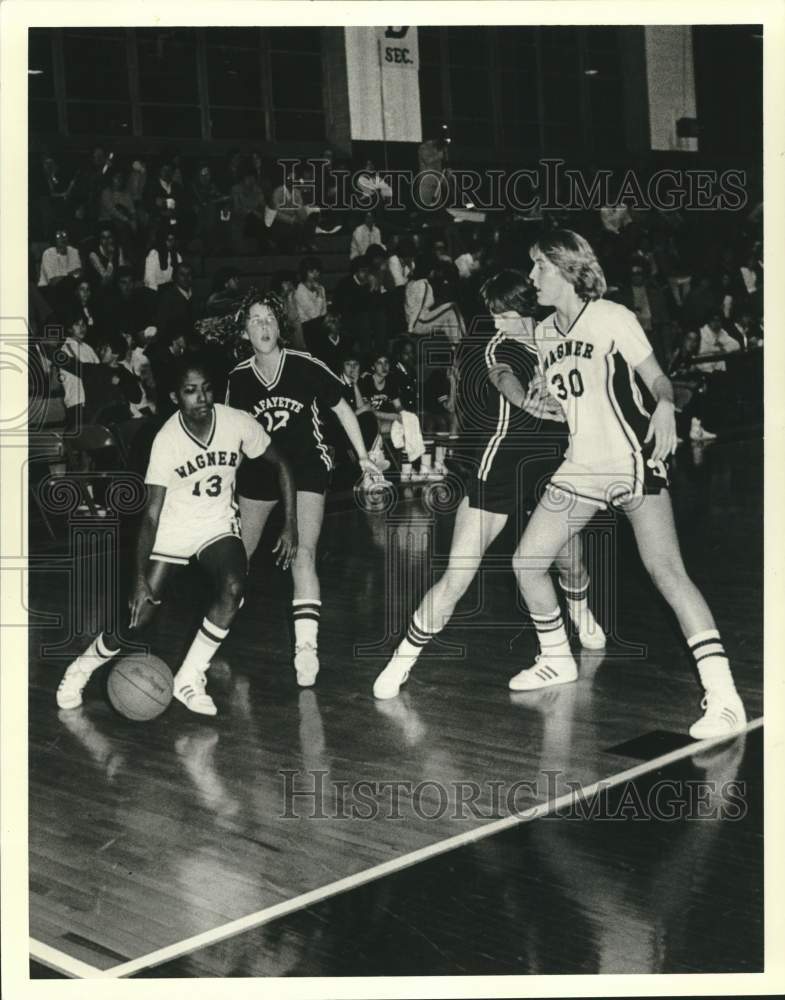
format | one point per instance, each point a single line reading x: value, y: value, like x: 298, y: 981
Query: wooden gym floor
x: 178, y: 847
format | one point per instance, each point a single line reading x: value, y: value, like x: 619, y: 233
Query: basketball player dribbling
x: 285, y: 391
x: 524, y: 436
x: 596, y: 361
x: 191, y: 513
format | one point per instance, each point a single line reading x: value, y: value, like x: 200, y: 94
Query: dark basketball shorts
x: 514, y: 481
x: 257, y: 479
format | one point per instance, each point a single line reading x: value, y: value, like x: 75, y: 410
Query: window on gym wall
x: 296, y: 83
x: 604, y: 90
x: 42, y: 108
x: 234, y: 83
x: 519, y: 89
x: 469, y: 57
x: 168, y: 82
x: 97, y: 88
x: 562, y: 85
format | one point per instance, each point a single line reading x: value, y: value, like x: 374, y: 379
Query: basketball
x: 140, y: 687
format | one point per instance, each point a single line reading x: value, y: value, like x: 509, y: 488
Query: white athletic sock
x: 577, y: 603
x: 416, y: 639
x: 551, y: 634
x: 96, y: 655
x: 711, y: 661
x: 306, y: 612
x: 206, y: 641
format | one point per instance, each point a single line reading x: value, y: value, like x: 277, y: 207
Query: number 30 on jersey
x: 572, y: 387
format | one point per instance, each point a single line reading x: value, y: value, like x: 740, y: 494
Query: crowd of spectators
x: 116, y: 277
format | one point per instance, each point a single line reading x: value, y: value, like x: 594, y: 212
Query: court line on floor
x: 253, y: 920
x: 58, y: 960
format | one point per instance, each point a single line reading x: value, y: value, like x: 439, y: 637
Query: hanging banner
x: 382, y: 67
x: 671, y: 79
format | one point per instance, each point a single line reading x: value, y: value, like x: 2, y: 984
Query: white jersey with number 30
x: 590, y: 370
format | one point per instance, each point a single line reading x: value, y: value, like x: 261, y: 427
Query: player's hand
x: 662, y: 427
x: 540, y: 403
x: 142, y: 595
x: 370, y: 468
x: 286, y: 547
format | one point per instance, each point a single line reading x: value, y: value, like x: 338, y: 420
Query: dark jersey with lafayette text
x: 288, y: 405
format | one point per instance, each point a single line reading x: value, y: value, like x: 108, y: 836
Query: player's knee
x: 668, y: 575
x: 524, y: 564
x: 306, y: 556
x: 454, y: 585
x: 232, y: 590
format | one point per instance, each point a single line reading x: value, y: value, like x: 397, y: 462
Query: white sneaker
x: 724, y: 715
x: 590, y: 633
x: 306, y: 663
x: 545, y: 673
x: 699, y: 433
x: 388, y: 683
x: 69, y: 691
x: 189, y: 688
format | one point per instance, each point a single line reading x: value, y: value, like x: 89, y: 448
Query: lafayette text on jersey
x: 287, y: 406
x: 199, y: 476
x: 590, y: 370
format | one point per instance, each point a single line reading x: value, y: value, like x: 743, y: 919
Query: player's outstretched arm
x: 286, y: 546
x: 662, y: 426
x: 141, y: 593
x: 345, y: 414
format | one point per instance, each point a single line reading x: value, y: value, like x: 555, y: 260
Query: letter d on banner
x: 384, y: 83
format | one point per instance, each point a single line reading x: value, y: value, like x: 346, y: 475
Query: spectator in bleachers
x: 698, y: 302
x: 162, y: 354
x: 310, y: 296
x: 50, y: 190
x: 374, y: 189
x: 176, y: 312
x: 110, y: 388
x: 325, y: 339
x: 645, y: 299
x: 248, y: 204
x: 75, y: 348
x: 405, y: 369
x: 366, y: 418
x: 365, y: 235
x: 59, y: 261
x: 745, y: 330
x: 381, y: 390
x: 401, y: 262
x: 439, y: 414
x: 423, y: 314
x: 439, y: 248
x: 126, y: 309
x: 288, y: 217
x: 161, y: 259
x: 165, y: 197
x: 207, y: 201
x: 469, y: 263
x: 104, y: 261
x: 82, y: 304
x: 751, y: 283
x: 715, y: 340
x: 225, y: 295
x: 117, y: 208
x: 690, y: 389
x: 284, y: 284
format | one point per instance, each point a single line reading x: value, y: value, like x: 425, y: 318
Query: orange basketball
x: 140, y: 687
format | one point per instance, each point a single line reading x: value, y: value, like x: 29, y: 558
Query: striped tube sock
x: 416, y: 639
x: 306, y: 612
x: 204, y: 646
x: 710, y: 659
x: 551, y: 634
x: 577, y: 604
x: 100, y: 651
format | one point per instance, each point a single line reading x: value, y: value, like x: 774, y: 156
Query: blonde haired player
x: 191, y: 513
x: 600, y: 367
